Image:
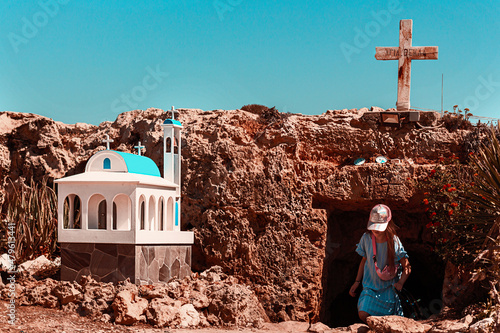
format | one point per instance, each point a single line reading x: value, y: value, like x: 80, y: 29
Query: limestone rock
x: 394, y: 324
x: 189, y: 317
x: 163, y: 312
x: 272, y: 198
x: 358, y: 328
x: 482, y: 326
x: 452, y: 326
x: 38, y: 293
x: 129, y: 308
x: 39, y: 267
x: 319, y: 328
x: 236, y: 305
x: 198, y: 299
x: 66, y: 292
x: 5, y: 264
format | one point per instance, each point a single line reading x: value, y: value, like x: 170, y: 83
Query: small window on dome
x: 106, y: 164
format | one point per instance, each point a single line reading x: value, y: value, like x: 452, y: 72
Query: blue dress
x: 379, y: 297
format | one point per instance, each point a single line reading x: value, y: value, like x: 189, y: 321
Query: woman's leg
x: 363, y: 315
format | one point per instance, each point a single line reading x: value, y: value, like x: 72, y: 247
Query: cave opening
x: 345, y: 228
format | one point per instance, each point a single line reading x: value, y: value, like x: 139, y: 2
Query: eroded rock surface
x: 200, y: 300
x: 272, y: 198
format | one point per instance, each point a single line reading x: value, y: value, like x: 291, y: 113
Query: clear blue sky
x: 88, y: 61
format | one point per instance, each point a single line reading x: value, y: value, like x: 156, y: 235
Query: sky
x: 88, y: 60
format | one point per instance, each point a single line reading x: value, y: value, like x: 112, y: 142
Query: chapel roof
x: 112, y: 161
x: 140, y: 164
x: 172, y: 122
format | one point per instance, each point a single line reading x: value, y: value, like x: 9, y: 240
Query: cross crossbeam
x: 405, y: 53
x: 139, y: 147
x: 107, y: 141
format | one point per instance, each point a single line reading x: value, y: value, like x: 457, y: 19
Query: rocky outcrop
x: 129, y: 308
x: 272, y: 198
x: 200, y: 300
x: 395, y: 324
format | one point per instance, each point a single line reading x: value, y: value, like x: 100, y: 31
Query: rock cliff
x: 272, y: 198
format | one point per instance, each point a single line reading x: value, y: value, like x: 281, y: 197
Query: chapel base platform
x: 143, y: 264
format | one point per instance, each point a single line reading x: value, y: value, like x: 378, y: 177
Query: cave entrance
x: 341, y: 262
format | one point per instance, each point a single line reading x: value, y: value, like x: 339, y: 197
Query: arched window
x: 152, y: 213
x: 161, y: 217
x: 106, y: 164
x: 170, y: 214
x: 72, y: 212
x: 142, y: 211
x: 122, y: 212
x: 168, y: 145
x: 97, y: 212
x: 176, y: 146
x: 115, y: 214
x: 102, y: 215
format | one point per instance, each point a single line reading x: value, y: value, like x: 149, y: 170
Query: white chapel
x: 122, y: 199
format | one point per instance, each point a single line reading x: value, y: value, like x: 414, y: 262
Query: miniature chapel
x: 120, y: 219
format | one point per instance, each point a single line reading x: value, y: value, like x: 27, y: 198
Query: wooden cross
x: 405, y: 53
x: 107, y: 141
x: 139, y: 147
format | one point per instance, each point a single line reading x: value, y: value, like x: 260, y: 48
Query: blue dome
x: 140, y: 164
x: 172, y: 122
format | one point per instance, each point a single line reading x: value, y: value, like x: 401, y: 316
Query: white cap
x: 379, y: 218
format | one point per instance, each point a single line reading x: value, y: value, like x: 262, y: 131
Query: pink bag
x: 386, y: 274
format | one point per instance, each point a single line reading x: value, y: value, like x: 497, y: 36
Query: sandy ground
x: 36, y: 319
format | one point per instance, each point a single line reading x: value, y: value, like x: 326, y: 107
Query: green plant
x: 444, y: 190
x: 33, y: 210
x: 486, y: 195
x: 457, y: 119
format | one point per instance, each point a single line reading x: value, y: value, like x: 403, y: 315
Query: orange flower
x: 471, y: 153
x: 433, y: 214
x: 425, y: 201
x: 426, y: 193
x: 450, y: 212
x: 454, y: 204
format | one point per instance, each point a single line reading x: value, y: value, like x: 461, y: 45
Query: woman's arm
x: 406, y: 272
x: 359, y: 276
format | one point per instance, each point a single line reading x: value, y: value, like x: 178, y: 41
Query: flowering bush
x: 444, y: 190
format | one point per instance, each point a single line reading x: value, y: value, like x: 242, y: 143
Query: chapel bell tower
x: 172, y: 151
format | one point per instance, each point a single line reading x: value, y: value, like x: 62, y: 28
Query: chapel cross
x: 107, y: 141
x: 405, y: 53
x: 139, y: 147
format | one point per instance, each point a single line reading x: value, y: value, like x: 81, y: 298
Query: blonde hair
x: 390, y: 233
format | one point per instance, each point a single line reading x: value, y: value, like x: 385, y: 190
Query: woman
x: 384, y: 267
